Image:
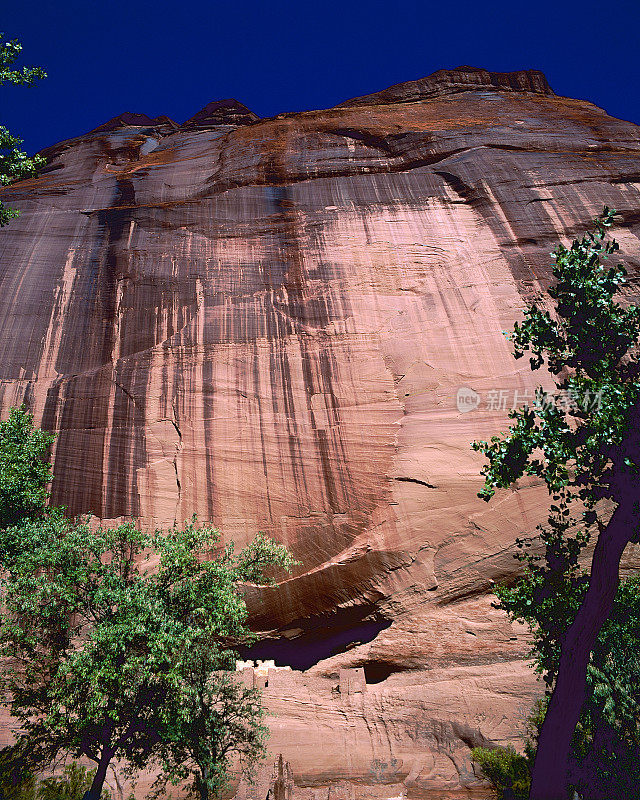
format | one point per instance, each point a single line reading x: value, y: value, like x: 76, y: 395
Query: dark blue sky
x: 174, y: 57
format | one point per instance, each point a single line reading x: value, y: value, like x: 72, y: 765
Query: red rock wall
x: 267, y: 324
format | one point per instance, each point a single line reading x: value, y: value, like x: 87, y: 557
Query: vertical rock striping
x: 266, y: 323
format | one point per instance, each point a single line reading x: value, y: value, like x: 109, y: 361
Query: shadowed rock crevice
x: 320, y: 638
x: 418, y: 481
x: 379, y: 671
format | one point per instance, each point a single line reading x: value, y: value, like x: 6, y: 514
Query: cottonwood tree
x: 587, y: 451
x: 94, y: 642
x: 15, y: 165
x: 606, y: 743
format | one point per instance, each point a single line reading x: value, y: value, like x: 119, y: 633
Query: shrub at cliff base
x: 73, y: 784
x: 18, y: 783
x: 508, y: 771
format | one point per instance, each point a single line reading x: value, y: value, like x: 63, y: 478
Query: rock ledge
x: 453, y: 81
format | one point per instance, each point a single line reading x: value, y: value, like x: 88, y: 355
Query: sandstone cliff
x: 267, y: 323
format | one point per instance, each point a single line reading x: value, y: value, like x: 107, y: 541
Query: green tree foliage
x: 587, y: 451
x: 552, y: 588
x: 210, y: 720
x: 15, y: 165
x: 100, y: 631
x: 586, y: 343
x: 212, y: 723
x: 24, y: 468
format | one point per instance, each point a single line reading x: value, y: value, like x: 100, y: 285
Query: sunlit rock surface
x: 267, y: 323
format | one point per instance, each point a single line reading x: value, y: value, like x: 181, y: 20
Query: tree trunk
x: 95, y: 790
x: 549, y: 779
x: 202, y: 785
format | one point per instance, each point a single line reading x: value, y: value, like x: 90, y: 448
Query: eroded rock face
x: 279, y: 325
